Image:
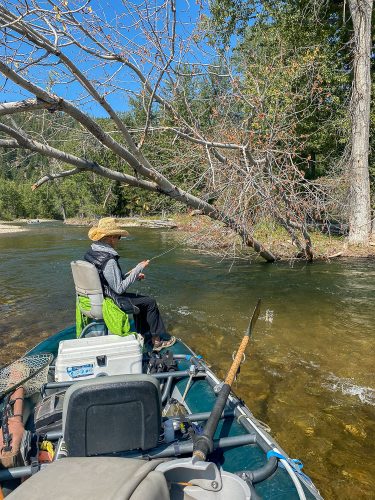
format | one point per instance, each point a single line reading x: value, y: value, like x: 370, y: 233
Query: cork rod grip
x: 237, y: 361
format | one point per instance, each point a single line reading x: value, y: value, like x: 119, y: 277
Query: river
x: 309, y: 371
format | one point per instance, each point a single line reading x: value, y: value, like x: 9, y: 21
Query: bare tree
x: 51, y: 49
x: 360, y: 211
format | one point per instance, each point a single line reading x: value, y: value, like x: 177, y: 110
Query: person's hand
x: 141, y: 276
x: 145, y: 263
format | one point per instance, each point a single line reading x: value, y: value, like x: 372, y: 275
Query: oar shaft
x: 237, y: 361
x: 203, y: 444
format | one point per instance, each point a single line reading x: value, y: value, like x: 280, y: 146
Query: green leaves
x: 293, y: 63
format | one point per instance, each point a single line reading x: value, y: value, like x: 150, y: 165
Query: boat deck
x: 201, y: 398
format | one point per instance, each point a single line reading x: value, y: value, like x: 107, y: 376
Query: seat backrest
x: 112, y: 414
x: 87, y: 284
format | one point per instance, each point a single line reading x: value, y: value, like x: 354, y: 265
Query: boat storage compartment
x: 81, y: 359
x: 49, y: 412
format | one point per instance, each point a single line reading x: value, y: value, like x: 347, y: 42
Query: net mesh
x: 30, y: 371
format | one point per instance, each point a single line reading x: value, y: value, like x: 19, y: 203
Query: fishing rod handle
x: 237, y: 361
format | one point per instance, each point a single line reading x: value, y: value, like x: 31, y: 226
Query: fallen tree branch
x: 22, y: 141
x: 9, y: 108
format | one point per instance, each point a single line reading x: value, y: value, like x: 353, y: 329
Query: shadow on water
x: 309, y: 370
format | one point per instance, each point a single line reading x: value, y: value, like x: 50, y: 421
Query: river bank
x: 210, y: 237
x: 7, y: 228
x: 11, y: 227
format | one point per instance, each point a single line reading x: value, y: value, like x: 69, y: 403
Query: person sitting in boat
x: 106, y: 236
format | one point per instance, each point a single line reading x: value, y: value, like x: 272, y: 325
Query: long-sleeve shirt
x: 118, y: 282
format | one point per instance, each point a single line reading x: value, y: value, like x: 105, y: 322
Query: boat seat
x: 87, y: 284
x: 106, y: 478
x: 107, y: 415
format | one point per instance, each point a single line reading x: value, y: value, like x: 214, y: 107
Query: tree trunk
x: 63, y: 212
x: 359, y: 209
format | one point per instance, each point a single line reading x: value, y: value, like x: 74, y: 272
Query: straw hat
x: 107, y: 227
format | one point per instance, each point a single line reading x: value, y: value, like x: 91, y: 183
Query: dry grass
x: 208, y: 236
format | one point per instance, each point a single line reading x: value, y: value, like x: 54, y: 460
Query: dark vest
x: 100, y: 259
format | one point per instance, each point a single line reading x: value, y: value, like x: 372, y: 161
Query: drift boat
x: 246, y: 462
x: 101, y: 417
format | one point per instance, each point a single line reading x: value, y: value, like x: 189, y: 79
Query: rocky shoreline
x: 9, y: 227
x: 6, y: 228
x: 128, y: 222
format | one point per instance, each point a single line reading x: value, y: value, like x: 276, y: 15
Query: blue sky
x: 187, y: 14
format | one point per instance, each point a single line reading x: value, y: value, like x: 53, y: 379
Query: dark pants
x: 148, y: 321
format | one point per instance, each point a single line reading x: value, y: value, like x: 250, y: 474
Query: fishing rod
x: 167, y: 251
x: 178, y: 245
x: 203, y: 444
x: 195, y: 235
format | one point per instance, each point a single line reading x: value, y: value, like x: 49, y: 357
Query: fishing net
x: 174, y: 408
x: 30, y: 372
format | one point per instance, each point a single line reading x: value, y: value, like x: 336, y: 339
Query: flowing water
x: 309, y: 372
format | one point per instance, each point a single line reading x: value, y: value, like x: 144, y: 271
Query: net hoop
x: 30, y: 372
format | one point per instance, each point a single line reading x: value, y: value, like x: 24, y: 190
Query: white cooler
x: 80, y: 359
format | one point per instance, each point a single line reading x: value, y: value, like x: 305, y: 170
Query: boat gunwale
x: 250, y: 423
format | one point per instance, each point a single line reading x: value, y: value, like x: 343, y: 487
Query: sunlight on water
x: 309, y: 369
x: 346, y: 386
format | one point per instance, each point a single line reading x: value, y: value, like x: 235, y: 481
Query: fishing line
x: 195, y: 235
x: 167, y: 251
x: 183, y: 242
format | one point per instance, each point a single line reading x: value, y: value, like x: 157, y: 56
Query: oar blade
x: 254, y: 318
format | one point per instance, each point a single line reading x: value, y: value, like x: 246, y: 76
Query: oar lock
x: 217, y: 387
x: 192, y: 369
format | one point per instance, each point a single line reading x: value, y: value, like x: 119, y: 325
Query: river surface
x: 309, y: 371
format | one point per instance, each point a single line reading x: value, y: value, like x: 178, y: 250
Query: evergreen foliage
x: 86, y: 194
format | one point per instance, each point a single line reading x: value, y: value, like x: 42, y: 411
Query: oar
x: 203, y: 444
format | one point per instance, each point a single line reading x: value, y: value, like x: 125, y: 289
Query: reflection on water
x: 309, y: 369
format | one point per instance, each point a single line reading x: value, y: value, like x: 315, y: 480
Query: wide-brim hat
x: 107, y: 227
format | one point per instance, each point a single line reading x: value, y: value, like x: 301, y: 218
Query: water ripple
x: 347, y: 387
